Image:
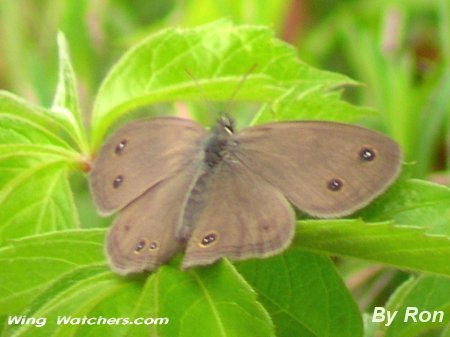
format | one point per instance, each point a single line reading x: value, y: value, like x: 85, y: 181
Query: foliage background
x: 399, y: 50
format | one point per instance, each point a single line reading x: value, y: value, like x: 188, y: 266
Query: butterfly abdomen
x: 192, y: 205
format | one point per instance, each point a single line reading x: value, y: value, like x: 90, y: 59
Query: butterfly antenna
x: 200, y: 88
x: 236, y: 90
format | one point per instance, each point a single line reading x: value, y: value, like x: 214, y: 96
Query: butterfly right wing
x: 143, y: 236
x: 140, y: 155
x: 325, y: 169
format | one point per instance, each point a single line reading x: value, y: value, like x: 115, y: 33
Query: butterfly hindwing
x: 239, y: 216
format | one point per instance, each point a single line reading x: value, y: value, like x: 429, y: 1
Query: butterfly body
x: 227, y: 193
x: 215, y: 151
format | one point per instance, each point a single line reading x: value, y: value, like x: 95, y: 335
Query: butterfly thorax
x: 218, y: 143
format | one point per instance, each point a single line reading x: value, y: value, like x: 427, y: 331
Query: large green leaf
x: 316, y: 103
x: 218, y: 55
x: 35, y: 160
x: 13, y: 106
x: 37, y: 200
x: 218, y: 295
x: 29, y: 264
x: 43, y: 275
x: 304, y: 295
x: 16, y: 129
x: 399, y: 246
x: 414, y: 203
x: 85, y: 292
x: 22, y: 122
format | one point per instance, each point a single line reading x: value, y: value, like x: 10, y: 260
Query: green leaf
x: 35, y: 195
x: 218, y: 55
x: 313, y: 104
x: 21, y: 159
x: 409, y: 229
x: 65, y: 104
x: 304, y: 295
x: 22, y: 122
x: 28, y: 129
x: 85, y: 292
x: 399, y: 246
x: 29, y: 264
x: 426, y: 293
x: 41, y: 151
x: 414, y: 203
x: 146, y: 305
x: 15, y: 129
x: 213, y: 301
x: 42, y: 274
x: 12, y: 105
x: 36, y: 201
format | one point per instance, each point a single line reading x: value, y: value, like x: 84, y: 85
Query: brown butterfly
x: 227, y: 194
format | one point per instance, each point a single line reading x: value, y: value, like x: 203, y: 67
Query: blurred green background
x: 398, y: 50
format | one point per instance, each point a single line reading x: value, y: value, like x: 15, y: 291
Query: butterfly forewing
x: 140, y: 155
x: 240, y: 216
x: 325, y: 169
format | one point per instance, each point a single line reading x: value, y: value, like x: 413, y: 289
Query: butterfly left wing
x: 239, y: 216
x: 140, y: 155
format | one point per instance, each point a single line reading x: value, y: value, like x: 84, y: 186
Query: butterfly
x: 228, y: 193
